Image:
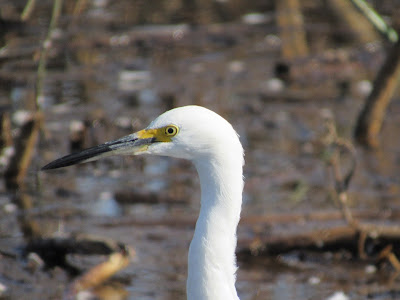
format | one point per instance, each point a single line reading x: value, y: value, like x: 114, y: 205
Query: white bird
x: 209, y: 141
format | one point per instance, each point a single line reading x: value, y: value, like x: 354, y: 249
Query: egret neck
x: 212, y: 261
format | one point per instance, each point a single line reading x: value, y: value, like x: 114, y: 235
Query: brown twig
x: 336, y: 147
x: 26, y: 13
x: 387, y: 254
x: 370, y: 119
x: 5, y: 127
x: 101, y: 272
x: 24, y: 149
x: 291, y: 27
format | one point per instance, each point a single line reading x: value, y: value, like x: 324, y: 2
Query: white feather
x: 211, y: 143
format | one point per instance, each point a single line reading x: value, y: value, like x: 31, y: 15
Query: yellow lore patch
x: 163, y: 134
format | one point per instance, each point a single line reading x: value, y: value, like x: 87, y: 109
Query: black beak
x: 128, y: 145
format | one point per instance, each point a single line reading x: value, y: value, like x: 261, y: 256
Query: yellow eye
x: 171, y: 130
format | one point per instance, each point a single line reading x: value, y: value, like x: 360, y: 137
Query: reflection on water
x: 106, y: 206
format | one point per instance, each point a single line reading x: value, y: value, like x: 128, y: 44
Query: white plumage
x: 209, y: 141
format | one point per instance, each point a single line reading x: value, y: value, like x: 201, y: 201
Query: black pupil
x: 170, y: 130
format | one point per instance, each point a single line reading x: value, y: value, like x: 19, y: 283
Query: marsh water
x: 118, y: 65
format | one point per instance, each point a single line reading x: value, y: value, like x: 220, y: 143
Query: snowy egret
x: 209, y: 141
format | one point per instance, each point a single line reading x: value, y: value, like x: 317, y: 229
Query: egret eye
x: 171, y: 130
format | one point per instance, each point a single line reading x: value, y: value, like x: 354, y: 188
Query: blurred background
x: 292, y: 77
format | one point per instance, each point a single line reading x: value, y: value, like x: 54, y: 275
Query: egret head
x: 189, y: 132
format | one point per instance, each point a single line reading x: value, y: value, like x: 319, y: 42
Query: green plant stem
x: 376, y: 20
x: 41, y: 72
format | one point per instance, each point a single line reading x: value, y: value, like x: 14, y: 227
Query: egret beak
x: 128, y: 145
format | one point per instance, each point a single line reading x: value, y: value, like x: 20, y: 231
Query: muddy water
x: 120, y: 64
